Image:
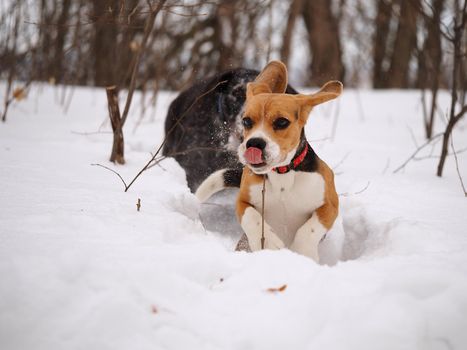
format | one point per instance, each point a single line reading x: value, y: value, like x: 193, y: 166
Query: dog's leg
x: 218, y: 181
x: 309, y: 235
x: 251, y: 223
x: 214, y: 183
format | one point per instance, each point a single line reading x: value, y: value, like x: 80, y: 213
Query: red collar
x: 294, y: 163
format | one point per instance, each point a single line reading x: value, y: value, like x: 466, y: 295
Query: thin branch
x: 341, y: 161
x: 120, y: 177
x: 416, y: 152
x: 188, y: 151
x: 457, y: 167
x: 461, y: 113
x: 147, y: 31
x: 85, y: 133
x: 431, y: 156
x: 179, y: 119
x: 263, y: 193
x: 346, y: 194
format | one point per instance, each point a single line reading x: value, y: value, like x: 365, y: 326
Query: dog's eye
x: 280, y: 123
x: 247, y: 123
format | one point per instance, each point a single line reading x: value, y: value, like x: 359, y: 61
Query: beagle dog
x: 300, y: 199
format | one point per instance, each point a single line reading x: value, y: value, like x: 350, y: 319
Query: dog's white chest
x: 290, y: 200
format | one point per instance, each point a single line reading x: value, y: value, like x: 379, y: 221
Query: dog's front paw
x: 305, y: 248
x: 307, y: 238
x: 271, y: 240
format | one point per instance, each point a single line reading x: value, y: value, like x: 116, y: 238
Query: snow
x: 81, y: 268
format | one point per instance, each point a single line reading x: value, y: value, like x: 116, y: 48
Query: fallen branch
x: 276, y: 290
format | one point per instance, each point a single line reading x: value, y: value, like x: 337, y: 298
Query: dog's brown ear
x: 272, y: 79
x: 329, y: 91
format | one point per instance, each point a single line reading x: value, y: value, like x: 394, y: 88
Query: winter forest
x: 116, y: 116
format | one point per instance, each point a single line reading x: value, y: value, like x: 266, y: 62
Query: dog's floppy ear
x: 329, y: 91
x: 272, y: 79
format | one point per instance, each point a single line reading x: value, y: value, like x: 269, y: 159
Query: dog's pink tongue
x: 254, y: 155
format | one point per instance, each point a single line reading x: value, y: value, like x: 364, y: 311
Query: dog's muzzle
x: 254, y: 153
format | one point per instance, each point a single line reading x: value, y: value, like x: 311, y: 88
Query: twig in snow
x: 276, y: 290
x: 87, y: 133
x: 153, y: 158
x: 431, y: 156
x: 457, y: 167
x: 388, y: 162
x: 263, y: 192
x: 412, y: 135
x: 346, y: 194
x: 120, y: 177
x: 187, y: 151
x: 341, y: 161
x: 170, y: 131
x: 138, y: 204
x: 402, y: 166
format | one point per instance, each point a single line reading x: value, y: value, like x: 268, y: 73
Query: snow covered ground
x: 81, y: 268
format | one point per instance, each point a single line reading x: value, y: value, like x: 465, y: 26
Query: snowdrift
x: 81, y: 268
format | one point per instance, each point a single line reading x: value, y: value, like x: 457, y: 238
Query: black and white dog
x: 203, y: 126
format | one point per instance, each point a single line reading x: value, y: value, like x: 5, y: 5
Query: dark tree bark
x: 380, y: 42
x: 324, y: 41
x: 12, y: 69
x: 404, y: 45
x: 45, y: 33
x: 126, y: 47
x: 225, y: 22
x: 62, y: 31
x: 295, y: 9
x: 457, y: 39
x: 104, y: 48
x: 118, y: 146
x: 429, y: 59
x: 429, y: 62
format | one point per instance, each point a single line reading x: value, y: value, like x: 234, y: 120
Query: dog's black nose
x: 256, y: 142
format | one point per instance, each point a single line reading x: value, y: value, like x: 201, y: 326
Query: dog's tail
x: 218, y: 181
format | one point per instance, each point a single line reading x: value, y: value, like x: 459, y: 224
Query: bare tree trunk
x: 380, y: 42
x: 295, y: 9
x: 429, y: 63
x: 12, y: 62
x: 460, y: 22
x: 127, y: 46
x: 105, y: 41
x: 118, y: 121
x: 62, y: 31
x: 46, y: 33
x: 404, y: 45
x: 324, y: 39
x: 225, y: 23
x: 118, y: 146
